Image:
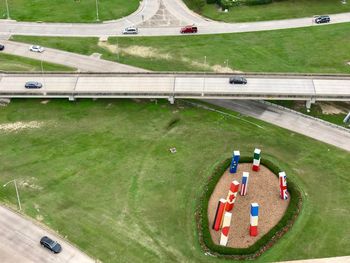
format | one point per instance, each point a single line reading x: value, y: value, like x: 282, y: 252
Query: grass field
x: 316, y: 49
x: 276, y: 10
x: 17, y: 63
x: 101, y: 173
x: 67, y: 11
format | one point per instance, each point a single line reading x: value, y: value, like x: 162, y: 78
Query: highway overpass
x: 181, y: 85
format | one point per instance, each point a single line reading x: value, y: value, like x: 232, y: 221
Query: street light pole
x: 7, y: 9
x: 19, y: 202
x: 97, y: 17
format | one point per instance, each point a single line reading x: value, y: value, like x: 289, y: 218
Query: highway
x: 196, y: 86
x: 147, y: 12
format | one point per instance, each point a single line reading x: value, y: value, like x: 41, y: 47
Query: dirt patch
x: 109, y: 47
x: 332, y: 108
x: 263, y: 188
x: 18, y: 126
x: 145, y: 52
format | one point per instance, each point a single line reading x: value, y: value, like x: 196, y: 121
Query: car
x: 2, y: 47
x: 237, y: 80
x: 189, y: 29
x: 33, y: 85
x: 36, y: 48
x: 130, y: 30
x: 322, y: 19
x: 50, y: 244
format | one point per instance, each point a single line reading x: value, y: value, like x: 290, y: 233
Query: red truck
x: 189, y: 29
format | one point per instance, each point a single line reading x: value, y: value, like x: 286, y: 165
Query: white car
x: 130, y: 30
x: 36, y: 49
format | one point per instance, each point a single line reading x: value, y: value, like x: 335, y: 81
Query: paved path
x: 156, y: 27
x: 290, y: 121
x: 80, y: 62
x: 321, y: 260
x: 19, y: 242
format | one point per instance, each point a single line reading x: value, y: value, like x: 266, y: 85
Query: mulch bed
x: 263, y: 188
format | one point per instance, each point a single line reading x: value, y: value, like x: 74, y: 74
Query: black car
x: 2, y: 47
x: 33, y: 85
x: 322, y: 19
x: 50, y: 244
x: 237, y: 80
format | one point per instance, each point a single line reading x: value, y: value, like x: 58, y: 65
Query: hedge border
x: 266, y: 241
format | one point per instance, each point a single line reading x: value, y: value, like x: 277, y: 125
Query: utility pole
x: 19, y: 202
x: 7, y: 9
x: 97, y: 16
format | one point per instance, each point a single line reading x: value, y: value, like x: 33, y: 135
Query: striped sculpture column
x: 232, y: 195
x: 234, y: 162
x: 254, y: 212
x: 244, y: 184
x: 219, y: 213
x: 283, y: 185
x: 256, y: 160
x: 225, y: 228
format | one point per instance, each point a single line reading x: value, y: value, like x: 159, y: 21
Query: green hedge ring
x: 266, y: 241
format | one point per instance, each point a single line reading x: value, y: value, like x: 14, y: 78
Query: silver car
x: 130, y: 30
x: 36, y: 48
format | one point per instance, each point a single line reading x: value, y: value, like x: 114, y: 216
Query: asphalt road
x: 147, y: 10
x: 19, y: 242
x: 80, y: 62
x: 290, y: 121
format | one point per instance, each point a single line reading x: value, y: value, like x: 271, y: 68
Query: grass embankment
x: 333, y: 112
x: 17, y: 63
x: 101, y: 173
x: 291, y: 50
x: 67, y: 11
x: 276, y: 10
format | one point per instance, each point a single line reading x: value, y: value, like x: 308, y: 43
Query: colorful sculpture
x: 219, y: 213
x: 256, y: 160
x: 283, y: 185
x: 254, y: 213
x: 225, y: 228
x: 234, y: 162
x: 232, y: 195
x: 244, y: 184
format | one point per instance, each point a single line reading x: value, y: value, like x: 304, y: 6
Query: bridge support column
x: 171, y: 99
x: 71, y: 98
x: 308, y: 104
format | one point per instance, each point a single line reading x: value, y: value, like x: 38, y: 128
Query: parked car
x: 50, y: 244
x: 2, y: 47
x: 237, y: 80
x: 36, y: 48
x: 189, y: 29
x: 130, y: 30
x: 33, y: 85
x: 322, y: 19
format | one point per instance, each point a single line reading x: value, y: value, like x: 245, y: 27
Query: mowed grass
x: 276, y: 10
x: 67, y: 11
x: 317, y: 49
x: 17, y: 63
x: 100, y: 172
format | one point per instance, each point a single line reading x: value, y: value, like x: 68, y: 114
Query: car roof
x: 48, y: 240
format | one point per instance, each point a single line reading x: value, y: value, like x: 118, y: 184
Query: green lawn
x: 318, y: 49
x: 67, y: 11
x: 337, y: 117
x: 276, y: 10
x: 17, y: 63
x: 100, y: 172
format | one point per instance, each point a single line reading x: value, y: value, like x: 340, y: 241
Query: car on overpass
x: 36, y: 48
x: 189, y: 29
x: 50, y: 244
x: 33, y: 85
x: 237, y: 80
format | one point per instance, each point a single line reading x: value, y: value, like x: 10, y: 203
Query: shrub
x: 265, y: 241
